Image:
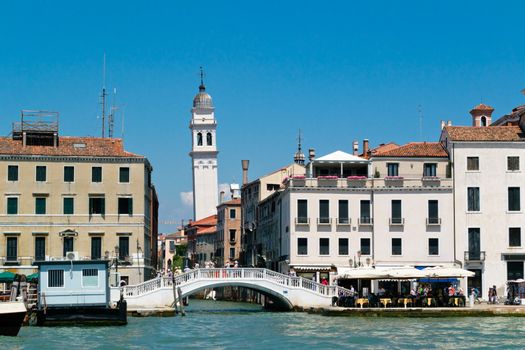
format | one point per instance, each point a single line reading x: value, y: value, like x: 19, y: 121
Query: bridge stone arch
x: 280, y: 301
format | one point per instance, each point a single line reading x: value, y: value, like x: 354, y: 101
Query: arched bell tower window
x: 199, y: 139
x: 209, y: 139
x: 483, y: 121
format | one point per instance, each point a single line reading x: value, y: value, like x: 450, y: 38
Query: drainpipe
x: 454, y: 196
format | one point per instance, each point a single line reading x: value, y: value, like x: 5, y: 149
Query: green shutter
x: 69, y: 174
x: 12, y: 205
x: 130, y: 206
x: 40, y: 173
x: 68, y: 206
x: 12, y: 173
x: 40, y: 205
x: 124, y: 175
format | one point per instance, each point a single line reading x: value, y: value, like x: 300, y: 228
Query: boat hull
x: 11, y: 317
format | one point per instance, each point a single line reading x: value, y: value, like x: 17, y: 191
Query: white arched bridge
x: 285, y: 291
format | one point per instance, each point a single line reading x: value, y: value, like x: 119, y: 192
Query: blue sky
x: 337, y: 70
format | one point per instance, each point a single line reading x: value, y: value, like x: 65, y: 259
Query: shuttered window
x: 12, y: 205
x: 124, y: 175
x: 55, y: 278
x: 69, y: 174
x: 68, y: 205
x: 12, y: 173
x: 40, y: 205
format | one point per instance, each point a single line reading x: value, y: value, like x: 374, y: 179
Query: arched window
x: 199, y: 139
x: 208, y: 139
x: 483, y: 121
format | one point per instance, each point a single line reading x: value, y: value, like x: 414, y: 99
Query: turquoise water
x: 225, y: 325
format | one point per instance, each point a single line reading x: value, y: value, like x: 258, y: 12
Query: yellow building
x: 74, y: 198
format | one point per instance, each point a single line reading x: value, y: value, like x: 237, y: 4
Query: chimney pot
x: 365, y: 147
x: 311, y: 154
x: 356, y: 148
x: 245, y: 164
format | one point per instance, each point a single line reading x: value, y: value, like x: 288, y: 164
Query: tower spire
x: 299, y: 155
x: 201, y: 86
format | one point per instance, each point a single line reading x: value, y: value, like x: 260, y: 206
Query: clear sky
x: 338, y: 70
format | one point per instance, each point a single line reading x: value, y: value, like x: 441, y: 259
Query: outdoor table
x: 385, y: 301
x: 406, y: 301
x: 361, y: 302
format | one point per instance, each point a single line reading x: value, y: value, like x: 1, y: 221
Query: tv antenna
x: 103, y: 96
x: 420, y: 114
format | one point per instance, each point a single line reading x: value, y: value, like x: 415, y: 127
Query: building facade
x: 75, y: 197
x: 203, y: 155
x: 228, y: 241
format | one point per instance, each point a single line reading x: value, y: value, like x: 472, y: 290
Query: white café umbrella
x: 406, y: 272
x: 360, y: 273
x: 444, y: 272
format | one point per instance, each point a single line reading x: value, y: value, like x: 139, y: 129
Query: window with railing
x: 433, y: 212
x: 12, y: 249
x: 343, y: 212
x: 364, y: 216
x: 40, y: 248
x: 324, y: 211
x: 429, y: 169
x: 392, y: 169
x: 396, y: 217
x: 302, y: 211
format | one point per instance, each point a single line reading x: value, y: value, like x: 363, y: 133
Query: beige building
x: 228, y: 241
x: 74, y: 198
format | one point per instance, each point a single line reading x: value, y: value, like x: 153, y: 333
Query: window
x: 208, y: 139
x: 69, y: 174
x: 473, y: 198
x: 433, y: 246
x: 89, y: 278
x: 96, y: 174
x: 68, y: 245
x: 232, y: 253
x: 96, y: 248
x: 514, y: 237
x: 474, y: 244
x: 40, y: 173
x: 40, y: 248
x: 343, y: 211
x: 365, y: 212
x: 12, y: 205
x: 125, y: 206
x: 472, y: 163
x: 123, y: 247
x: 199, y: 139
x: 433, y: 212
x: 124, y: 175
x: 513, y: 163
x: 324, y: 211
x: 393, y: 169
x: 40, y: 205
x: 233, y: 233
x: 365, y: 246
x: 97, y: 205
x: 514, y: 199
x: 232, y: 213
x: 514, y: 270
x: 302, y: 246
x: 396, y: 246
x: 68, y: 206
x: 302, y: 211
x: 55, y: 278
x: 324, y: 246
x: 343, y: 246
x: 429, y: 169
x: 396, y: 212
x: 12, y: 173
x: 12, y: 249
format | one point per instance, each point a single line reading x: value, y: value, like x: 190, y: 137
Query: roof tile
x: 483, y: 133
x: 415, y: 149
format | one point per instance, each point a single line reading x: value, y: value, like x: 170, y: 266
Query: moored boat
x: 12, y: 315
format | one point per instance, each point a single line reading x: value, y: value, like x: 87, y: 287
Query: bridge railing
x: 235, y: 273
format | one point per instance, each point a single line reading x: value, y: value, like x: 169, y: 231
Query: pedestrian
x: 494, y: 295
x: 324, y: 282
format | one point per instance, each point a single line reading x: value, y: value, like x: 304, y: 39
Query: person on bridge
x: 324, y: 282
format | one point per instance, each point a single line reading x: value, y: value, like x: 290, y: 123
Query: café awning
x: 444, y: 272
x: 361, y: 272
x: 406, y: 272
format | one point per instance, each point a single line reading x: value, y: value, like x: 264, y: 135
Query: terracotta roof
x: 485, y: 133
x: 207, y: 221
x: 415, y: 149
x: 69, y: 146
x: 236, y: 201
x: 206, y: 230
x: 482, y: 107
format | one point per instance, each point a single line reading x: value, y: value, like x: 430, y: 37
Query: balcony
x: 324, y: 221
x: 431, y: 180
x: 433, y: 221
x: 302, y: 221
x: 358, y: 182
x: 343, y: 221
x: 475, y: 256
x: 396, y: 221
x: 365, y: 221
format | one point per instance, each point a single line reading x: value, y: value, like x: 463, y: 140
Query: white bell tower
x: 204, y: 155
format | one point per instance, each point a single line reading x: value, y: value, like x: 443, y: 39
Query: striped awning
x: 310, y: 268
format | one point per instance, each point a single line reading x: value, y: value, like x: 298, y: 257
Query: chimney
x: 443, y: 124
x: 221, y: 197
x: 356, y: 148
x: 311, y: 154
x: 449, y: 123
x: 365, y: 147
x: 245, y: 163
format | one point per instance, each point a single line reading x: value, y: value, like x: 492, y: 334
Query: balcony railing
x: 343, y: 221
x: 396, y: 221
x: 475, y: 256
x: 371, y: 183
x: 433, y: 221
x: 364, y: 220
x: 324, y: 221
x: 302, y: 221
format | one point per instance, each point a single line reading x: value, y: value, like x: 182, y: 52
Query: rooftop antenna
x: 103, y: 96
x: 111, y: 116
x: 420, y: 113
x: 201, y: 86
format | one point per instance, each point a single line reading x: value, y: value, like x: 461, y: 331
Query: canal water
x: 227, y: 325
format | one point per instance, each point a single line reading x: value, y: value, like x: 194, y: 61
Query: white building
x: 204, y: 155
x: 488, y: 175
